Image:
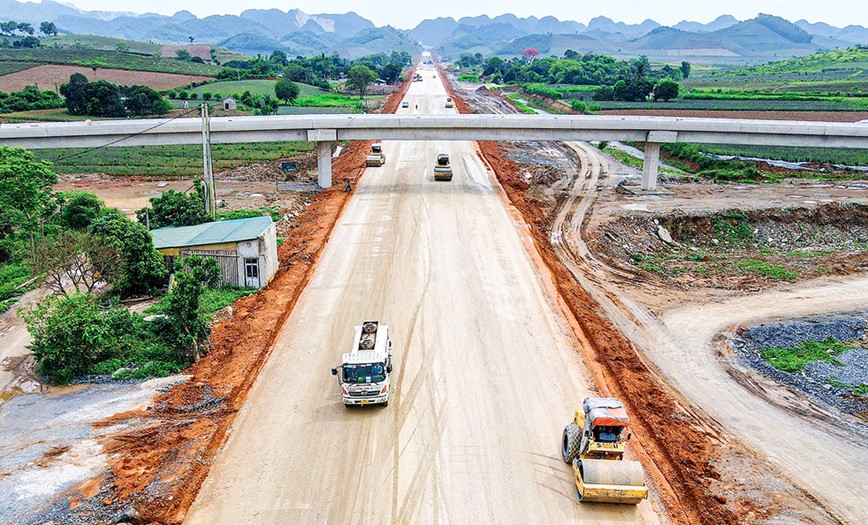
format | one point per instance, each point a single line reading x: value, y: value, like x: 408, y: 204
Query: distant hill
x: 257, y: 31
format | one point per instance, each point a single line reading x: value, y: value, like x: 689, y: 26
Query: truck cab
x: 365, y: 371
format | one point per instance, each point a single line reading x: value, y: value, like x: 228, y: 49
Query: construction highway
x: 486, y: 371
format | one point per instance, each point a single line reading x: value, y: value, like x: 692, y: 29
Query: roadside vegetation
x: 178, y: 160
x: 90, y: 258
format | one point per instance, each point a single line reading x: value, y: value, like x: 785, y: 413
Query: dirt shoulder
x: 697, y: 471
x: 163, y: 454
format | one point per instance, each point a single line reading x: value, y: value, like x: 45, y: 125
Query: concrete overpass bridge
x: 325, y: 129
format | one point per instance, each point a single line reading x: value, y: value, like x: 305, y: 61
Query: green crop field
x: 845, y: 104
x: 42, y: 115
x: 104, y: 43
x: 182, y: 160
x: 332, y: 100
x: 106, y: 60
x: 228, y: 88
x: 845, y: 156
x: 14, y: 67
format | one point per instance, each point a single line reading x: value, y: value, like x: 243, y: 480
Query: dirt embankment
x: 736, y: 249
x: 678, y: 451
x: 163, y: 455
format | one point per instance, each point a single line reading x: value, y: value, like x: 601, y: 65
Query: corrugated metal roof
x: 210, y: 232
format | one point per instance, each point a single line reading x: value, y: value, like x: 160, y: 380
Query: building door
x: 251, y: 272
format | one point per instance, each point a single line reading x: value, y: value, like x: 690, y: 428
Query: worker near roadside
x: 348, y: 185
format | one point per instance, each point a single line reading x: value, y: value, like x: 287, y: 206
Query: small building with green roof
x: 245, y: 249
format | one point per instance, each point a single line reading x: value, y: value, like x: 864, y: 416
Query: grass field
x: 46, y: 115
x: 106, y: 59
x: 742, y: 105
x: 332, y: 100
x: 105, y: 43
x: 183, y: 160
x: 846, y: 156
x: 7, y: 68
x: 227, y: 88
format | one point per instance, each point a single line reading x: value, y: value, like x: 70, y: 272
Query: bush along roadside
x: 79, y: 336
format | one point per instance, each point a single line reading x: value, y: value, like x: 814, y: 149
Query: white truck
x: 365, y: 371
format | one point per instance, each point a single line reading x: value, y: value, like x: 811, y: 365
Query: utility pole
x: 208, y: 174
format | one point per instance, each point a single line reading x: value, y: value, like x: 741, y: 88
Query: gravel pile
x: 791, y: 335
x: 816, y: 381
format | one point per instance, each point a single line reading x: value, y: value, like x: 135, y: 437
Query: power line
x: 155, y: 126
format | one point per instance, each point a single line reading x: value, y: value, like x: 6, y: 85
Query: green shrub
x: 71, y: 334
x: 767, y: 269
x: 794, y: 359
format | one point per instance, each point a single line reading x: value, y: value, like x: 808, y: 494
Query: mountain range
x: 254, y: 31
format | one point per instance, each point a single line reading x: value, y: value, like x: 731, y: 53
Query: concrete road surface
x: 485, y: 375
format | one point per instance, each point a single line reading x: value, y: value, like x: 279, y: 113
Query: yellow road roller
x: 594, y: 445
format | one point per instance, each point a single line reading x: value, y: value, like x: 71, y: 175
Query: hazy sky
x: 406, y: 14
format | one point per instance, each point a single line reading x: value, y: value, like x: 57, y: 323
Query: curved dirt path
x: 682, y: 343
x: 486, y: 374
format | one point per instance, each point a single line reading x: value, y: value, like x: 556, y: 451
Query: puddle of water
x: 635, y: 207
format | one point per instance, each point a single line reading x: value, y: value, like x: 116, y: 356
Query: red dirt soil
x: 678, y: 457
x: 51, y: 76
x: 163, y: 455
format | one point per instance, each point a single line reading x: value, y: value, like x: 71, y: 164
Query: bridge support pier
x: 324, y: 164
x: 323, y: 139
x: 652, y: 156
x: 650, y: 165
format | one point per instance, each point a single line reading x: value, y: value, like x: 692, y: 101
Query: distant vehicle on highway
x: 442, y: 168
x: 365, y: 371
x: 405, y: 104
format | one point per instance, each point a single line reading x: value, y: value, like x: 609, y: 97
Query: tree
x: 81, y: 209
x: 530, y: 54
x: 27, y: 42
x: 183, y: 54
x: 8, y: 28
x: 144, y: 268
x: 26, y: 28
x: 104, y: 99
x: 74, y: 91
x: 685, y: 69
x: 278, y: 57
x: 191, y: 39
x: 76, y: 259
x: 359, y: 78
x: 71, y: 334
x: 666, y: 89
x: 122, y: 47
x: 190, y: 330
x: 286, y: 90
x: 391, y: 72
x: 26, y: 197
x: 174, y: 208
x: 48, y: 29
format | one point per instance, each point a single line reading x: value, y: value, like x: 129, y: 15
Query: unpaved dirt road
x: 485, y: 378
x: 827, y: 462
x: 830, y: 464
